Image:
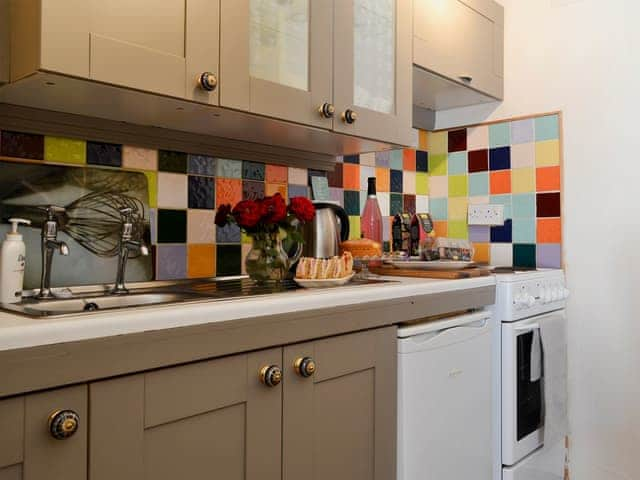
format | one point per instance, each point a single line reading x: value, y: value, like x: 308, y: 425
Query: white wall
x: 583, y: 57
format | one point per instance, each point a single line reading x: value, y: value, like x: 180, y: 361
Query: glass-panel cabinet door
x: 276, y: 58
x: 372, y: 69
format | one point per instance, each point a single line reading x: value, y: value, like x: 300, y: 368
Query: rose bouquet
x: 268, y: 221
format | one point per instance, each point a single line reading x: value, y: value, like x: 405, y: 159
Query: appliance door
x: 522, y: 388
x: 546, y: 463
x: 445, y: 400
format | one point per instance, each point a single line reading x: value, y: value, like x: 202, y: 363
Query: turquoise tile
x: 524, y: 230
x: 478, y: 184
x: 438, y: 208
x: 499, y: 135
x: 547, y: 128
x: 457, y: 163
x: 395, y: 161
x: 502, y: 200
x: 229, y: 168
x: 524, y: 205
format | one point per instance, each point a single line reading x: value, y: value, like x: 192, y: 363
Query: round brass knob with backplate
x: 271, y: 375
x: 349, y: 116
x: 63, y: 424
x: 304, y: 366
x: 327, y: 110
x: 207, y: 81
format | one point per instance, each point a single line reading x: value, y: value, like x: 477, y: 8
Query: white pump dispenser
x: 12, y: 263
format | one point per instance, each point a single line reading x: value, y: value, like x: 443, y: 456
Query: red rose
x: 222, y: 215
x: 274, y: 209
x: 302, y: 208
x: 247, y: 213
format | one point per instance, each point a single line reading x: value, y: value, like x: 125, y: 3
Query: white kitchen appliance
x: 446, y: 398
x: 525, y: 302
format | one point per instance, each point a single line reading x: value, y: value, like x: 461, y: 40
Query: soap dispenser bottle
x: 12, y: 263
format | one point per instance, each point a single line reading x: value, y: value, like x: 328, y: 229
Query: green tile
x: 65, y: 150
x: 354, y: 227
x: 524, y: 255
x: 352, y: 202
x: 458, y: 186
x: 395, y: 160
x: 547, y: 128
x: 524, y: 230
x: 175, y: 162
x: 422, y: 183
x: 457, y: 163
x: 478, y: 184
x: 397, y: 204
x: 438, y: 208
x: 228, y: 168
x: 457, y: 229
x: 228, y: 260
x: 524, y: 205
x: 438, y: 164
x: 172, y: 226
x: 499, y: 135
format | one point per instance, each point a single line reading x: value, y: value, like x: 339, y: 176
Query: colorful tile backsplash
x: 514, y: 163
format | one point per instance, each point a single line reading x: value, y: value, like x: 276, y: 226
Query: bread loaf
x: 362, y: 248
x: 325, y: 268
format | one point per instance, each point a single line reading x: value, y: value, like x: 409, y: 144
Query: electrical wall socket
x: 486, y: 214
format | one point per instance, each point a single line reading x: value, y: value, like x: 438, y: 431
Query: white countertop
x: 21, y: 332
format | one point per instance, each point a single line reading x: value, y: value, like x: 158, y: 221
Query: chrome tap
x: 126, y: 243
x: 50, y: 244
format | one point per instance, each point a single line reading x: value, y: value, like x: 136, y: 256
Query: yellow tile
x: 152, y: 185
x: 523, y: 180
x: 438, y: 142
x: 547, y: 153
x: 422, y: 183
x: 438, y: 164
x: 423, y: 142
x: 65, y: 150
x: 458, y: 208
x: 457, y: 229
x: 481, y: 252
x: 354, y: 227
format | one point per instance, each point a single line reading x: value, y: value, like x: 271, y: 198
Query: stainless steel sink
x: 89, y: 304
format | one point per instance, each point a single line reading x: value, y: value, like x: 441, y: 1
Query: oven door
x: 522, y: 388
x: 547, y: 463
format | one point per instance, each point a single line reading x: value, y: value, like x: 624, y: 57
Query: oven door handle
x: 525, y: 328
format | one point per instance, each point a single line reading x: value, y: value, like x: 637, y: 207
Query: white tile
x: 368, y: 159
x: 439, y: 186
x: 139, y: 158
x: 523, y: 155
x: 384, y: 200
x: 365, y: 173
x: 478, y: 138
x: 422, y: 203
x: 409, y: 183
x: 200, y: 226
x: 501, y: 254
x: 479, y: 200
x: 297, y: 176
x: 172, y: 190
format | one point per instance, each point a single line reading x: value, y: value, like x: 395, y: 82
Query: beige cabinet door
x: 372, y: 69
x: 161, y: 47
x: 339, y: 423
x: 276, y: 58
x: 28, y: 448
x: 211, y: 419
x: 461, y: 40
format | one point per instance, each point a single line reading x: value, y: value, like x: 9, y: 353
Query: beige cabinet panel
x: 372, y: 69
x: 276, y: 58
x: 212, y: 419
x: 340, y: 423
x: 461, y: 40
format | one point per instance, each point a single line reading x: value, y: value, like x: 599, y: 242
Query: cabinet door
x: 28, y: 449
x: 461, y: 40
x: 340, y: 422
x: 160, y: 47
x: 372, y: 69
x: 276, y: 58
x: 205, y: 420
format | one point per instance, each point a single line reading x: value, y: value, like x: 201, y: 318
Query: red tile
x: 335, y: 177
x: 276, y: 174
x: 458, y: 140
x: 548, y: 204
x: 478, y: 161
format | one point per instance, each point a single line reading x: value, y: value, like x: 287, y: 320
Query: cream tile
x: 368, y: 159
x: 523, y: 180
x: 458, y: 208
x: 478, y: 137
x: 501, y: 254
x: 298, y: 176
x: 384, y: 200
x: 139, y: 158
x: 523, y: 155
x: 548, y: 153
x: 409, y: 183
x: 172, y: 190
x: 200, y: 226
x: 422, y: 203
x: 439, y: 186
x: 479, y: 200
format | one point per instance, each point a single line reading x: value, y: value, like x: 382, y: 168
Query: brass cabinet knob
x: 63, y: 424
x: 349, y: 116
x: 207, y: 81
x: 271, y: 375
x: 305, y: 366
x: 327, y: 110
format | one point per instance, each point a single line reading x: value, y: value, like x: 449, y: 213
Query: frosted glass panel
x: 374, y: 54
x: 279, y: 41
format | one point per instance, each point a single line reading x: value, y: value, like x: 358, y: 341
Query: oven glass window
x: 530, y: 402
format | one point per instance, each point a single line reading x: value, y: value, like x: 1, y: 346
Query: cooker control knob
x: 531, y: 301
x: 555, y: 295
x: 565, y: 293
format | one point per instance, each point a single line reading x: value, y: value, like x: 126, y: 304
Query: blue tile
x: 422, y: 161
x: 499, y: 135
x: 253, y: 171
x: 228, y: 234
x: 365, y: 174
x: 524, y: 205
x: 502, y: 200
x: 252, y: 190
x: 396, y: 181
x: 502, y: 233
x: 228, y: 168
x: 524, y: 230
x: 396, y: 161
x: 351, y: 159
x: 478, y: 184
x: 547, y: 128
x: 457, y: 163
x: 383, y: 159
x: 201, y: 192
x: 438, y: 207
x: 106, y: 154
x: 298, y: 191
x: 500, y: 158
x: 171, y: 262
x: 202, y: 165
x: 479, y: 233
x: 522, y: 131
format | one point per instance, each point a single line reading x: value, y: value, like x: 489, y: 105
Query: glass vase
x: 267, y: 261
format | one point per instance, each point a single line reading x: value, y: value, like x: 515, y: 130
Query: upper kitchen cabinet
x: 372, y: 69
x: 457, y: 52
x: 276, y: 59
x: 168, y: 47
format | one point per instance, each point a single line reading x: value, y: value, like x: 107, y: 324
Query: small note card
x: 320, y: 188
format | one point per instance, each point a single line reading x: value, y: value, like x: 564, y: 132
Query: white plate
x: 327, y: 282
x: 432, y: 265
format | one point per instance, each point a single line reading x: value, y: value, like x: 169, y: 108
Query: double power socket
x: 485, y: 214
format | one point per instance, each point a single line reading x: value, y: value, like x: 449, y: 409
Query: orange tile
x: 549, y: 230
x: 228, y: 190
x: 383, y: 179
x: 481, y: 252
x: 201, y: 260
x: 351, y: 176
x: 276, y: 174
x: 422, y: 140
x: 500, y: 182
x: 548, y: 179
x: 440, y: 227
x: 273, y: 188
x: 409, y: 159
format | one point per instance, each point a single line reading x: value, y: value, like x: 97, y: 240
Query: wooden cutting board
x: 443, y: 274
